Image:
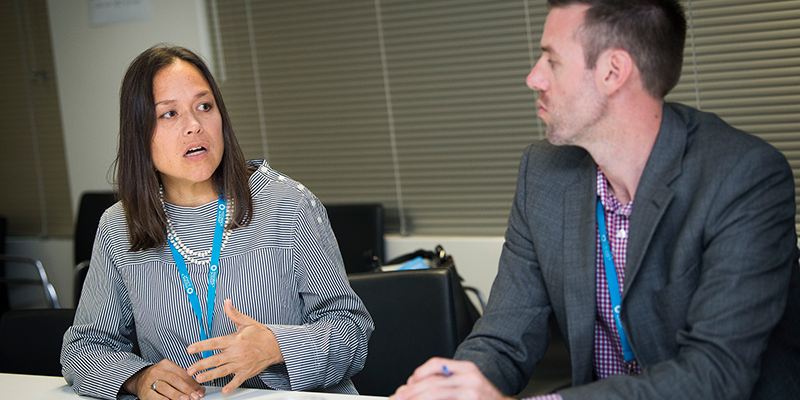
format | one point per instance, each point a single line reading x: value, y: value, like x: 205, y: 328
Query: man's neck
x: 622, y: 147
x: 623, y: 171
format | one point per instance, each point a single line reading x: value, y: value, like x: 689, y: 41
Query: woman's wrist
x: 131, y: 384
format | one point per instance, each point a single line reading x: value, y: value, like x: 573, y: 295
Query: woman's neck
x: 190, y: 195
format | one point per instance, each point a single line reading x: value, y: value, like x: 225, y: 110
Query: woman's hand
x: 245, y: 353
x: 165, y: 380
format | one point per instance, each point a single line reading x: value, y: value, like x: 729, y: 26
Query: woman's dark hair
x: 653, y: 32
x: 136, y: 177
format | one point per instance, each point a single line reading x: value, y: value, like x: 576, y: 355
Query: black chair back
x: 92, y: 206
x: 415, y: 319
x: 81, y: 270
x: 4, y: 299
x: 30, y: 340
x: 359, y: 232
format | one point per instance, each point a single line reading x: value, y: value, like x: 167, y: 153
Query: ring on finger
x: 153, y: 386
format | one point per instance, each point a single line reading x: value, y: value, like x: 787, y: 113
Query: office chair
x: 7, y: 262
x: 92, y: 206
x: 415, y: 319
x: 4, y: 299
x: 359, y: 231
x: 50, y: 296
x: 30, y: 340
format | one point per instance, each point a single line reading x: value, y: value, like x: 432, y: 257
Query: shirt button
x: 319, y: 219
x: 313, y: 203
x: 281, y: 178
x: 622, y: 234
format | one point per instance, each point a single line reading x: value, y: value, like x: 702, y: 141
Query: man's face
x: 569, y: 100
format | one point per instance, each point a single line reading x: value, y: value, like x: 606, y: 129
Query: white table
x: 34, y: 387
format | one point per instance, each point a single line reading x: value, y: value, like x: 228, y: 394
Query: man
x: 688, y: 220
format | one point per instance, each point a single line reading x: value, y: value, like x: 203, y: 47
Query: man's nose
x: 535, y: 79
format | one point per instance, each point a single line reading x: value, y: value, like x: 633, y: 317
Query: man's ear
x: 615, y: 69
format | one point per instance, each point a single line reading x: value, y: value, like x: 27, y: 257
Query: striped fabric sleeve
x: 96, y: 354
x: 551, y: 396
x: 331, y: 344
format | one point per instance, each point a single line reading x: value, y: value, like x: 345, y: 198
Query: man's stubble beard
x: 587, y: 109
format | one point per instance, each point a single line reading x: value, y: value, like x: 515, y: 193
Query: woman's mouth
x: 195, y: 151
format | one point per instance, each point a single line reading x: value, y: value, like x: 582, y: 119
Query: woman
x: 194, y: 215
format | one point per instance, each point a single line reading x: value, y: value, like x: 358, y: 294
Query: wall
x: 90, y: 63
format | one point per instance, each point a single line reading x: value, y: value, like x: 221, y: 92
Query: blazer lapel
x: 653, y: 194
x: 579, y: 268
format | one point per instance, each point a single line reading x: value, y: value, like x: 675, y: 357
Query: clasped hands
x: 245, y: 354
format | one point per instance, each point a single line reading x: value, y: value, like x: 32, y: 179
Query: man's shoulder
x: 714, y: 145
x: 708, y: 130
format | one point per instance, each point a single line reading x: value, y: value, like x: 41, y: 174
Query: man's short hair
x: 653, y: 32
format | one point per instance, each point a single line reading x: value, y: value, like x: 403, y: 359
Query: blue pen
x: 446, y: 371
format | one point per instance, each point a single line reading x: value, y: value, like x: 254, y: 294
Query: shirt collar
x: 610, y: 203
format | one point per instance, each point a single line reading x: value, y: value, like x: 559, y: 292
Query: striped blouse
x: 284, y: 270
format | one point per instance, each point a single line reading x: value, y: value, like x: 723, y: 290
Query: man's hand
x: 245, y: 353
x: 431, y: 381
x: 165, y: 380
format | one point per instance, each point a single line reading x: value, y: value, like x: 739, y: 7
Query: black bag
x: 466, y: 312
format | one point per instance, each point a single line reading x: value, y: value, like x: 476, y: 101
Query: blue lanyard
x: 613, y: 283
x: 219, y: 226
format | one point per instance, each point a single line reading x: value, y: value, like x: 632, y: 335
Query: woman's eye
x: 204, y: 107
x: 169, y: 114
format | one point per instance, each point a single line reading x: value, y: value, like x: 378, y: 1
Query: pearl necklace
x: 185, y: 251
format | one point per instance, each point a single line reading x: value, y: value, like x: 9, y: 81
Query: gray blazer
x: 712, y: 259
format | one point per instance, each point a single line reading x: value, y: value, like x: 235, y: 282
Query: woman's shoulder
x: 279, y: 184
x: 113, y: 239
x: 113, y: 216
x: 112, y: 230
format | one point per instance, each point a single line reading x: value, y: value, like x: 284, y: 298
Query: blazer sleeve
x: 749, y: 249
x: 512, y: 335
x: 331, y: 345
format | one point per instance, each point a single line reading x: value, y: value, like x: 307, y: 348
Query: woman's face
x: 187, y: 143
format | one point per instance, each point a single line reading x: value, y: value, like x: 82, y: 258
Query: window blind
x: 422, y: 105
x: 748, y: 69
x: 35, y: 195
